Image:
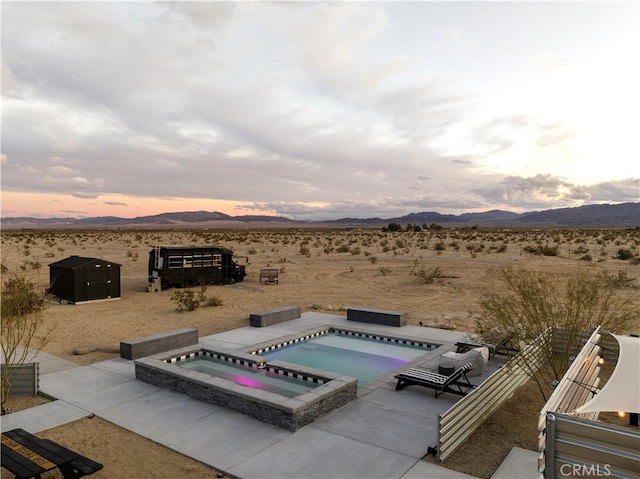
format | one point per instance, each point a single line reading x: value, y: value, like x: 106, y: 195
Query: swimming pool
x: 285, y: 395
x: 364, y: 356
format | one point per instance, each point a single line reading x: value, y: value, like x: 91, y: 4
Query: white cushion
x: 476, y: 356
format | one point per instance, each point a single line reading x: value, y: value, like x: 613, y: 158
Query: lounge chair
x: 456, y: 383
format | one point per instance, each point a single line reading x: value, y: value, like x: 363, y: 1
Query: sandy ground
x: 374, y: 270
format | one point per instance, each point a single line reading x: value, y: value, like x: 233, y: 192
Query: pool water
x: 249, y: 376
x: 363, y: 358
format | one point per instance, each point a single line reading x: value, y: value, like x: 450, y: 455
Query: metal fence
x: 575, y: 445
x: 461, y: 420
x: 23, y: 378
x: 581, y: 448
x: 578, y: 384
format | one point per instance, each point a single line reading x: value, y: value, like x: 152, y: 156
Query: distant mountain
x: 625, y: 214
x: 620, y: 215
x: 493, y: 215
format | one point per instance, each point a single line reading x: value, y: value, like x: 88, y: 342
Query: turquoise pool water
x: 363, y: 358
x: 249, y: 376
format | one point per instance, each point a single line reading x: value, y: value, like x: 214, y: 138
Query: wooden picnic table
x: 28, y: 456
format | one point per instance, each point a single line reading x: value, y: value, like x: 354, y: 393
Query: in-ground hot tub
x: 286, y: 395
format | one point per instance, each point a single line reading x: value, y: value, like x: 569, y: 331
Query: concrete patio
x: 383, y: 433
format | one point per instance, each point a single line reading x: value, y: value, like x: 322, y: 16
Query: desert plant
x: 426, y: 275
x: 541, y: 250
x: 384, y: 270
x: 621, y: 280
x: 188, y: 299
x: 624, y: 254
x: 213, y: 301
x: 529, y: 303
x: 21, y: 322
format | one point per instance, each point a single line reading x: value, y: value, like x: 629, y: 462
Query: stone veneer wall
x: 287, y: 413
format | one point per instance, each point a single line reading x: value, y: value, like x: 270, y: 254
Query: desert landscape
x: 438, y: 276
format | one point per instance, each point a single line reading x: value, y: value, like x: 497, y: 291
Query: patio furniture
x: 505, y: 344
x: 478, y: 357
x: 456, y: 383
x: 269, y: 276
x: 27, y: 456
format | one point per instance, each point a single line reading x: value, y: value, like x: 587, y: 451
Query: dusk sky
x: 318, y: 110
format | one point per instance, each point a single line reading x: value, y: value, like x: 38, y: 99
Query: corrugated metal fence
x: 461, y: 420
x: 23, y: 378
x: 581, y: 448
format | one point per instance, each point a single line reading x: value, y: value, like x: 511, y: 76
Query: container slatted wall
x: 574, y: 389
x: 577, y: 445
x: 24, y: 379
x: 610, y: 347
x: 461, y: 420
x: 581, y: 448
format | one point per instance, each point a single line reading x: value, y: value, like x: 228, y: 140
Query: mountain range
x: 604, y: 215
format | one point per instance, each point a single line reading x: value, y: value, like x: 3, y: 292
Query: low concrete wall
x: 274, y: 316
x: 157, y: 343
x: 377, y: 316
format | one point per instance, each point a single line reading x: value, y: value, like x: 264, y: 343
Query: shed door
x: 97, y: 281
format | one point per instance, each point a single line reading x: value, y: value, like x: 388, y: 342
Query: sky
x: 317, y: 110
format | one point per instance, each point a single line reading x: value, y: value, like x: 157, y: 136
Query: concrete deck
x: 384, y: 433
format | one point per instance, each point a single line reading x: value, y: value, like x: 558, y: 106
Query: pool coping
x: 334, y: 391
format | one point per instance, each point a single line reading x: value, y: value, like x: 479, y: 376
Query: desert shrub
x: 581, y: 250
x: 624, y: 254
x: 213, y: 301
x: 385, y: 270
x: 304, y: 250
x: 587, y: 257
x: 21, y: 323
x: 541, y: 250
x: 373, y: 259
x: 529, y: 303
x: 439, y: 246
x: 343, y: 248
x: 355, y: 250
x: 427, y: 275
x: 188, y: 299
x: 392, y: 227
x: 475, y: 247
x: 621, y: 280
x: 328, y: 249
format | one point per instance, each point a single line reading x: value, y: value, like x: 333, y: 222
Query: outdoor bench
x: 274, y: 316
x: 157, y: 343
x: 377, y: 316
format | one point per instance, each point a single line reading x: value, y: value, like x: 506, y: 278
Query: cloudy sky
x: 318, y: 110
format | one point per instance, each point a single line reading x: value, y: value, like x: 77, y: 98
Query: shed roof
x: 73, y: 262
